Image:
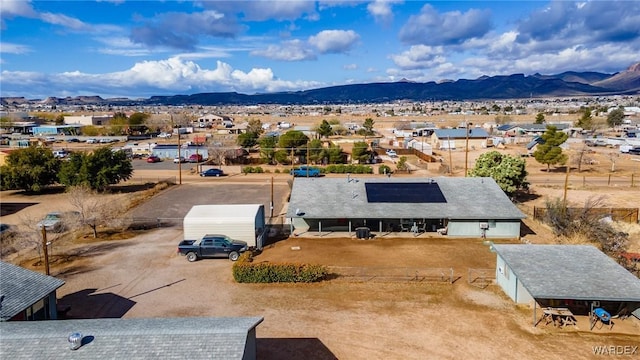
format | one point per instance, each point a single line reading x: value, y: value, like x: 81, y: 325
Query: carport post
x: 380, y: 227
x: 349, y: 227
x: 320, y: 227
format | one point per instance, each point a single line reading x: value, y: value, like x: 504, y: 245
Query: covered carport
x: 577, y: 277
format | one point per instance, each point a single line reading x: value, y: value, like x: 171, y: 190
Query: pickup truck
x: 305, y: 171
x: 212, y: 246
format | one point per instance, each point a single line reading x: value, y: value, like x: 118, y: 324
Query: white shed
x: 244, y: 222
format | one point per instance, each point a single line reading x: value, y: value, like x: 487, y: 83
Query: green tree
x: 137, y: 122
x: 368, y: 126
x: 540, y: 118
x: 29, y: 169
x: 550, y: 152
x: 247, y: 139
x: 324, y: 129
x: 119, y: 124
x: 360, y: 151
x: 291, y: 144
x: 255, y: 126
x: 615, y: 117
x: 316, y: 151
x: 402, y: 163
x: 508, y: 171
x: 586, y: 120
x: 334, y: 155
x: 97, y: 170
x: 268, y: 148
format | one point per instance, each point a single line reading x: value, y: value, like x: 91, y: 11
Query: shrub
x: 350, y: 168
x: 384, y: 169
x: 252, y: 170
x: 277, y: 171
x: 244, y: 271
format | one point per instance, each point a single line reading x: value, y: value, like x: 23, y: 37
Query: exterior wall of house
x: 170, y: 153
x: 496, y: 228
x: 510, y: 284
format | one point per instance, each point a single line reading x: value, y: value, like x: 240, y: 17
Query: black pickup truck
x: 212, y: 246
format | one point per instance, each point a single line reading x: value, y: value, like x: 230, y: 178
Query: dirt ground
x: 398, y: 318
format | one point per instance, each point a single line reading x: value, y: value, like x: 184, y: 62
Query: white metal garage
x: 238, y: 221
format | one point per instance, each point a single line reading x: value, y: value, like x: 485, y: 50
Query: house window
x: 492, y: 224
x: 506, y: 272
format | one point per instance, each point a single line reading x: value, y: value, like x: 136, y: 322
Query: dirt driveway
x: 144, y: 277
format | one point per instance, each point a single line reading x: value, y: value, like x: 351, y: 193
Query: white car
x: 164, y: 135
x: 392, y: 153
x: 180, y: 159
x: 92, y: 141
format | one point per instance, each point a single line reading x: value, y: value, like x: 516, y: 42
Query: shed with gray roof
x: 166, y: 338
x: 26, y: 294
x: 469, y: 207
x: 571, y: 276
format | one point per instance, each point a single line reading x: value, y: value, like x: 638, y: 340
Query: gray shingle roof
x: 21, y: 288
x: 578, y: 272
x: 176, y: 338
x: 338, y: 198
x: 474, y: 133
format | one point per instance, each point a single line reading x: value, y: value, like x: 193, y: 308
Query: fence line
x: 481, y: 277
x: 146, y: 180
x: 392, y: 274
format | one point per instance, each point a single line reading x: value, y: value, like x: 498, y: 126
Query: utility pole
x: 45, y: 250
x: 466, y: 150
x: 179, y: 158
x: 307, y: 158
x: 450, y: 160
x: 271, y: 205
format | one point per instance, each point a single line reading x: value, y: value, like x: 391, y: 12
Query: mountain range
x: 516, y: 86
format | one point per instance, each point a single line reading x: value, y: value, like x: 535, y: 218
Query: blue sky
x: 143, y: 48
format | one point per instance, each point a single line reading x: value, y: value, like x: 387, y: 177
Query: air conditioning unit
x: 484, y: 225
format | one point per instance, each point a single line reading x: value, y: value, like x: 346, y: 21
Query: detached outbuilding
x: 244, y: 222
x: 572, y: 276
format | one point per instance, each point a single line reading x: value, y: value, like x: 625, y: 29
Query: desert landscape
x: 134, y: 274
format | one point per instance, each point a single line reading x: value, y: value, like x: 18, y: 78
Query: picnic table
x: 558, y: 316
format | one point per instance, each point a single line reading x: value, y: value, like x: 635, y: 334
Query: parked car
x: 164, y: 135
x: 73, y: 140
x: 179, y: 159
x: 60, y: 154
x: 391, y: 153
x: 212, y: 172
x: 153, y: 159
x: 55, y: 221
x: 306, y: 171
x: 92, y: 141
x: 195, y: 158
x: 212, y: 246
x: 635, y: 151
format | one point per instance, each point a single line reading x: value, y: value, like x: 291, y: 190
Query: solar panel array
x: 404, y: 192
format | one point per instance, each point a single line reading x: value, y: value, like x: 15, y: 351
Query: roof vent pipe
x: 75, y: 341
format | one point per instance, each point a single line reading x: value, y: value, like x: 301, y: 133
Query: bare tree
x: 94, y: 212
x: 613, y: 157
x: 221, y: 149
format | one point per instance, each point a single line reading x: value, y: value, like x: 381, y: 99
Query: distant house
x: 88, y: 120
x: 170, y: 151
x: 457, y: 138
x: 27, y: 295
x: 159, y: 338
x: 210, y: 120
x: 528, y: 129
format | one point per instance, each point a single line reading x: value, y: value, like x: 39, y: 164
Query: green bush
x: 349, y: 169
x: 384, y: 169
x: 252, y: 170
x: 245, y: 271
x: 277, y: 171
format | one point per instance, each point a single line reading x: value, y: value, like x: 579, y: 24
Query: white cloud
x: 419, y: 56
x: 16, y: 8
x: 170, y: 76
x: 334, y: 41
x: 293, y: 50
x: 350, y: 67
x: 381, y: 10
x: 9, y: 48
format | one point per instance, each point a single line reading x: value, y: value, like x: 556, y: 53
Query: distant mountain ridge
x: 516, y: 86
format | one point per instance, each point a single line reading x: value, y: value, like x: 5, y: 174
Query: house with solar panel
x: 462, y: 207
